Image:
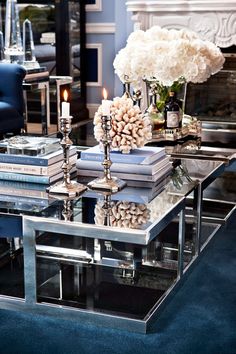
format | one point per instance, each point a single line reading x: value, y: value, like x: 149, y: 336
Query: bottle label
x: 172, y: 119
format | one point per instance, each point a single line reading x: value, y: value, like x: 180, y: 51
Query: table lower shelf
x: 128, y: 297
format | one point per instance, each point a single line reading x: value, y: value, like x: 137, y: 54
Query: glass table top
x: 113, y: 254
x: 83, y: 136
x: 32, y: 199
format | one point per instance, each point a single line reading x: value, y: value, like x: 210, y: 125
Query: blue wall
x: 108, y: 27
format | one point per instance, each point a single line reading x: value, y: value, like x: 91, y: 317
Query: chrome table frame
x: 43, y: 87
x: 141, y: 237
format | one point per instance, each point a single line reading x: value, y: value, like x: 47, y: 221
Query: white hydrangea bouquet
x: 167, y: 56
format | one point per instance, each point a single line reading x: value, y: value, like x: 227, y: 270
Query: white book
x: 125, y: 167
x: 33, y: 169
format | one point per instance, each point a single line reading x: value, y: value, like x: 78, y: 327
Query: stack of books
x: 25, y: 176
x: 43, y: 169
x: 143, y: 167
x: 24, y: 195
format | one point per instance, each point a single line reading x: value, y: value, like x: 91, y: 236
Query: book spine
x: 30, y: 200
x: 116, y: 158
x: 125, y: 176
x: 4, y: 184
x: 24, y: 178
x: 25, y: 160
x: 34, y: 160
x: 124, y: 167
x: 33, y: 169
x: 143, y: 155
x: 23, y: 192
x: 26, y: 169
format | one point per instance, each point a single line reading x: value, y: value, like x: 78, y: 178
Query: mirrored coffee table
x: 111, y: 260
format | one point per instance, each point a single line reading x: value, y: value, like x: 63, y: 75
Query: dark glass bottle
x: 172, y: 112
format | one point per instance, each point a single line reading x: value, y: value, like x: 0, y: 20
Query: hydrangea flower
x: 167, y: 56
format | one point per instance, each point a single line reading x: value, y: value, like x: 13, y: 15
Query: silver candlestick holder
x: 67, y: 212
x: 66, y: 187
x: 107, y: 183
x: 107, y: 208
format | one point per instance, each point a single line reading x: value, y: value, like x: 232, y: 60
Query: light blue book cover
x: 144, y: 155
x: 20, y: 177
x: 21, y: 185
x: 132, y: 194
x: 125, y: 167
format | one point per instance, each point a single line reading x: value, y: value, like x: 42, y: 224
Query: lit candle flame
x: 65, y: 95
x: 104, y: 91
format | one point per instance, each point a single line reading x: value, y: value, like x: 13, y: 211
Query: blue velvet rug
x: 201, y: 318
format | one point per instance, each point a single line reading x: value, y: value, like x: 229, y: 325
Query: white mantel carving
x: 213, y: 20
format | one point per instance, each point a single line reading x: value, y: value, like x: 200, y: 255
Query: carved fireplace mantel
x: 212, y: 20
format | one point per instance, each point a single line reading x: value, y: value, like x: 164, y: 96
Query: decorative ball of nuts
x: 123, y: 214
x: 130, y: 129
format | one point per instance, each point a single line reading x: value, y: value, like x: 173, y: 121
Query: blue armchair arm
x: 11, y: 97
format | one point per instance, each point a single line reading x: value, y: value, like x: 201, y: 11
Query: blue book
x: 145, y: 155
x: 150, y: 169
x: 21, y: 177
x: 133, y: 194
x: 45, y: 160
x: 18, y: 200
x: 21, y: 185
x: 11, y: 176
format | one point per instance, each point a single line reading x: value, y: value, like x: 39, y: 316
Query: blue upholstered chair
x: 11, y: 98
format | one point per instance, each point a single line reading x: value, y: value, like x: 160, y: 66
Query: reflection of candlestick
x: 106, y: 104
x: 67, y: 211
x: 65, y: 107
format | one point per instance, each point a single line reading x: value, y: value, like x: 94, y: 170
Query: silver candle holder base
x: 103, y: 184
x: 67, y: 187
x: 72, y: 189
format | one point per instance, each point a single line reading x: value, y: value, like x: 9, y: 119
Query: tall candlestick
x: 67, y: 187
x: 106, y: 104
x: 107, y: 183
x: 65, y: 107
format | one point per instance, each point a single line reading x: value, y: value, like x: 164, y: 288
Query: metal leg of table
x: 198, y: 219
x: 30, y: 278
x: 26, y: 110
x: 181, y: 241
x: 45, y: 106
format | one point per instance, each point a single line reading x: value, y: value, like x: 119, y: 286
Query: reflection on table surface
x: 137, y: 203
